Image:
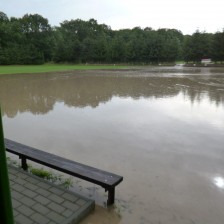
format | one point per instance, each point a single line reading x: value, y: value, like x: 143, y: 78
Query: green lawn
x: 16, y: 69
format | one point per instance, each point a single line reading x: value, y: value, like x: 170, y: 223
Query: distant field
x: 16, y: 69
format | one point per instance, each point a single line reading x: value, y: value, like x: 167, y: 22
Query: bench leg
x: 23, y: 163
x: 111, y: 196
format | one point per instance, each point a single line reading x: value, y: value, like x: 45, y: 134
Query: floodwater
x: 162, y: 129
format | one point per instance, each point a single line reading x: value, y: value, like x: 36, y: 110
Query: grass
x: 17, y: 69
x: 52, y: 177
x: 48, y: 175
x: 180, y: 62
x: 41, y: 173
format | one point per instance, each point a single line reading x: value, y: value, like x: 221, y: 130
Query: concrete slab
x: 36, y: 201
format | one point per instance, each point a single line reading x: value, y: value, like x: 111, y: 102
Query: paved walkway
x: 36, y: 201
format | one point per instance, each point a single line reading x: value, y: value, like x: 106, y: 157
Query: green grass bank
x: 21, y: 69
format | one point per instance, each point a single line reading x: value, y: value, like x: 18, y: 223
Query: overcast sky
x: 184, y: 15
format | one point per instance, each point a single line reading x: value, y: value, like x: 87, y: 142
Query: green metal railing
x: 6, y: 212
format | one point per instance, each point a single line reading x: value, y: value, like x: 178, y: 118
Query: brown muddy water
x: 160, y: 128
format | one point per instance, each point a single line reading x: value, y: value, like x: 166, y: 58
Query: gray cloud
x: 186, y: 16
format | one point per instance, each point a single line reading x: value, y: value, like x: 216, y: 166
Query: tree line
x: 32, y: 40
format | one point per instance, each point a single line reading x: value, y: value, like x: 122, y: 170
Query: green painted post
x: 6, y: 212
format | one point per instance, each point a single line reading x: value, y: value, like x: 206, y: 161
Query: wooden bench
x: 105, y: 179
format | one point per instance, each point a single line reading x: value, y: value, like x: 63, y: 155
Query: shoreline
x: 65, y: 69
x: 204, y: 65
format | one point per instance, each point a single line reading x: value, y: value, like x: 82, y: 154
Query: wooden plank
x: 91, y: 174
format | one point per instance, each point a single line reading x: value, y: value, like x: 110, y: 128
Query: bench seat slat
x: 94, y: 175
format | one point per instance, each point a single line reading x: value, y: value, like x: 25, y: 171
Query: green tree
x: 218, y: 46
x: 38, y: 37
x: 188, y: 48
x: 198, y: 46
x: 3, y: 37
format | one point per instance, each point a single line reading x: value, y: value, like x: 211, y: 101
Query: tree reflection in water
x: 39, y: 93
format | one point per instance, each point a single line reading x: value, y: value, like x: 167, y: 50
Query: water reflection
x: 39, y: 93
x: 219, y: 182
x: 162, y: 129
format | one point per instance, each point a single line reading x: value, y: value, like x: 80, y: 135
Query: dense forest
x: 32, y: 40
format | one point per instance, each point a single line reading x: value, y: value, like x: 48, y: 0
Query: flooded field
x: 162, y: 129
